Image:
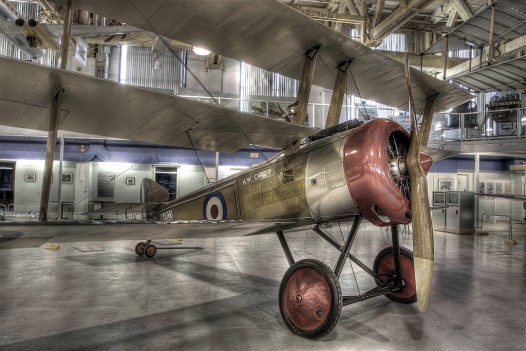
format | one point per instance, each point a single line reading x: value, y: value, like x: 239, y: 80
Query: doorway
x: 462, y: 182
x: 167, y: 178
x: 7, y: 185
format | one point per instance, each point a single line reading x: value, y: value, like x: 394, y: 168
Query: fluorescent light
x: 200, y: 51
x: 124, y: 64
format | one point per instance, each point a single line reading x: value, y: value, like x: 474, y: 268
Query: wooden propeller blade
x: 423, y: 250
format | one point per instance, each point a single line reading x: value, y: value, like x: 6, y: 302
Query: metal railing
x: 495, y: 124
x: 14, y: 215
x: 316, y: 112
x: 510, y: 226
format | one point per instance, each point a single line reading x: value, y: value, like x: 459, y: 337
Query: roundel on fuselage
x: 214, y: 207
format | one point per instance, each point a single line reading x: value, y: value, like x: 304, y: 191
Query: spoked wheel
x: 150, y: 251
x: 310, y: 299
x: 139, y: 248
x: 384, y: 268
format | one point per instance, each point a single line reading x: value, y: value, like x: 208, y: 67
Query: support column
x: 470, y: 57
x: 340, y: 85
x: 302, y: 100
x: 445, y: 57
x: 60, y: 167
x: 55, y: 116
x: 491, y: 31
x: 476, y: 187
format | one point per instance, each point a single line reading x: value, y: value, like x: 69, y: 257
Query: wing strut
x: 307, y: 75
x: 340, y: 88
x: 55, y: 116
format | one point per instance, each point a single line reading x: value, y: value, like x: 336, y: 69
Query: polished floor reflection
x: 93, y: 295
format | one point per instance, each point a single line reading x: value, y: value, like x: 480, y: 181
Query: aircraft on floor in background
x: 346, y: 172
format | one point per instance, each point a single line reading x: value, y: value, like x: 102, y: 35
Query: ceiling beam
x: 426, y: 27
x: 463, y: 9
x: 323, y: 14
x: 453, y: 14
x: 441, y: 12
x: 352, y: 9
x: 397, y: 19
x: 378, y: 9
x: 341, y: 11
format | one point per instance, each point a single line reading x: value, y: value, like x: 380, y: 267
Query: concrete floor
x: 225, y: 296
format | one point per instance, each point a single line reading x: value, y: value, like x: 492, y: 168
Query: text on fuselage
x: 256, y: 176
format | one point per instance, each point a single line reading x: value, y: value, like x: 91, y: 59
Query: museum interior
x: 77, y: 195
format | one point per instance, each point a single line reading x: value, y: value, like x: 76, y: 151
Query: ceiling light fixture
x: 200, y: 51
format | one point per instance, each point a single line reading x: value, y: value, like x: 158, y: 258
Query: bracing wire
x: 199, y: 159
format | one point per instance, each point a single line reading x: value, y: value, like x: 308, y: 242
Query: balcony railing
x: 316, y: 112
x: 471, y: 126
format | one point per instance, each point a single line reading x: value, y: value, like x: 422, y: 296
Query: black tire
x: 150, y: 251
x: 140, y: 248
x: 384, y: 267
x: 310, y: 309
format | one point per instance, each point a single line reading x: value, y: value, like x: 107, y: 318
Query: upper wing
x: 270, y: 35
x: 105, y: 108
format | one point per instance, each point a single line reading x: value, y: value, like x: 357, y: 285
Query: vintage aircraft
x: 348, y: 171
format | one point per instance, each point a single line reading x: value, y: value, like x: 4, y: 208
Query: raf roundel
x: 214, y: 207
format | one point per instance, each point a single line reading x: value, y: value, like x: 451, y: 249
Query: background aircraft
x: 374, y: 171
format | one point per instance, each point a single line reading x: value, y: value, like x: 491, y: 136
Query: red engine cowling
x: 376, y: 174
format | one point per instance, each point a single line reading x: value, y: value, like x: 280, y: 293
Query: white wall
x: 28, y: 193
x: 189, y: 178
x: 121, y: 171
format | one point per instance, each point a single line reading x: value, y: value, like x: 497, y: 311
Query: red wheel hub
x: 386, y: 268
x: 307, y: 299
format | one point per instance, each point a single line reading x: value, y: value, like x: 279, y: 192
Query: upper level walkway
x: 499, y: 131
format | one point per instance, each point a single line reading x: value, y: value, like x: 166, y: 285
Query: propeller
x: 423, y: 250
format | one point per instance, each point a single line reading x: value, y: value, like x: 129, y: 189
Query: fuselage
x: 338, y: 176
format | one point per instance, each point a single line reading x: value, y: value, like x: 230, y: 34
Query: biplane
x: 351, y: 171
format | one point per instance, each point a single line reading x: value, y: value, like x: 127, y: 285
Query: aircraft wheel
x: 139, y: 248
x: 384, y: 267
x: 150, y: 251
x: 310, y: 299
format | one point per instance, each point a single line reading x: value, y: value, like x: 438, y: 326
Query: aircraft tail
x: 153, y: 192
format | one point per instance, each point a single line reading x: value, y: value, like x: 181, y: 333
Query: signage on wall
x: 105, y: 184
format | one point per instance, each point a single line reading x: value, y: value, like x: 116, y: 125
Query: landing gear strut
x: 310, y: 296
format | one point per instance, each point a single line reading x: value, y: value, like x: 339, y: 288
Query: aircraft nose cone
x: 426, y: 161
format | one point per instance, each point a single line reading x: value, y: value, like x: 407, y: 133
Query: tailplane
x: 153, y: 192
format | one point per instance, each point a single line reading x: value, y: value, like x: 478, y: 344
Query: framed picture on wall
x: 130, y: 181
x: 498, y: 188
x: 67, y: 178
x: 30, y: 177
x: 482, y: 187
x: 490, y: 188
x: 445, y: 184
